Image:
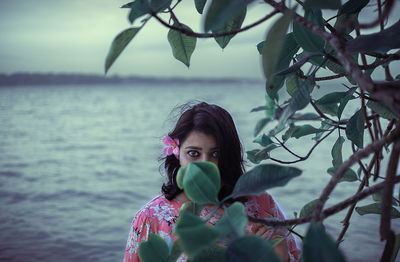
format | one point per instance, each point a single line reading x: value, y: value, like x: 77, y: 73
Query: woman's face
x: 198, y: 146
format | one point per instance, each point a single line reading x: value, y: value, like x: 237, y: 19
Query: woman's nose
x: 205, y: 158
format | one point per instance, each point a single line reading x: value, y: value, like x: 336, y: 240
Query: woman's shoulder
x: 157, y: 207
x: 262, y: 205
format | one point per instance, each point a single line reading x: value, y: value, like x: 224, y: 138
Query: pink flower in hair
x: 171, y: 146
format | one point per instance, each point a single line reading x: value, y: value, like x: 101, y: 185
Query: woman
x: 204, y: 133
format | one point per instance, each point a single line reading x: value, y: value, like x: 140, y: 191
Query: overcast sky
x: 75, y: 36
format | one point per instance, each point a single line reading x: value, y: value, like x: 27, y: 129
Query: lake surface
x: 77, y: 162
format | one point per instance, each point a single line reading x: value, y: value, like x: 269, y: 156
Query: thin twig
x: 382, y: 17
x: 308, y: 154
x: 285, y: 147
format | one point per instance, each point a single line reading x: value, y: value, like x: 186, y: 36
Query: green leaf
x: 344, y: 100
x: 258, y: 108
x: 378, y: 196
x: 222, y: 11
x: 322, y: 4
x: 260, y: 125
x: 142, y: 7
x: 355, y: 129
x: 191, y: 207
x: 179, y: 177
x: 118, y: 45
x: 200, y: 5
x: 325, y: 124
x: 128, y: 5
x: 251, y: 248
x: 201, y: 182
x: 382, y: 109
x: 376, y: 208
x: 270, y: 106
x: 300, y: 100
x: 353, y: 6
x: 383, y: 40
x: 176, y: 252
x: 233, y: 221
x: 159, y: 5
x: 292, y: 83
x: 296, y: 66
x: 309, y: 41
x: 349, y: 175
x: 336, y: 152
x: 194, y: 234
x: 138, y: 9
x: 154, y: 250
x: 181, y: 44
x: 348, y: 14
x: 319, y: 247
x: 263, y: 140
x: 215, y: 253
x: 274, y: 45
x: 334, y: 97
x: 315, y: 60
x: 231, y: 25
x: 308, y: 208
x: 289, y: 49
x: 257, y: 155
x: 306, y: 116
x: 252, y: 156
x: 396, y: 248
x: 300, y: 131
x: 263, y: 177
x: 330, y: 109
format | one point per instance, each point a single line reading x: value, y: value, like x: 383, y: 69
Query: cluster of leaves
x: 200, y: 242
x: 297, y: 53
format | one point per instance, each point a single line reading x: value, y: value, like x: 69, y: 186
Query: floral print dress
x: 160, y: 214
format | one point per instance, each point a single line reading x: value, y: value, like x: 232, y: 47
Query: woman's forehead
x: 200, y: 139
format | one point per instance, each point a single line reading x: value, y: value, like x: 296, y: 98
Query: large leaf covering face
x: 201, y: 182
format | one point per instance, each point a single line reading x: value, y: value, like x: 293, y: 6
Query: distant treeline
x: 77, y: 79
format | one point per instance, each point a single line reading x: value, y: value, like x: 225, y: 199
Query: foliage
x: 303, y: 49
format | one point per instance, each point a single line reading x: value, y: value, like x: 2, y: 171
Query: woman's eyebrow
x: 193, y: 147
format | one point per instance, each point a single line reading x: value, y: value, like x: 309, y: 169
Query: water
x: 76, y: 163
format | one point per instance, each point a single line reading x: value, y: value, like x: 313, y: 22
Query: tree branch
x: 385, y: 225
x: 327, y: 212
x: 347, y: 164
x: 211, y: 35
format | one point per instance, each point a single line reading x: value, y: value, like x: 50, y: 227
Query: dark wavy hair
x: 211, y: 120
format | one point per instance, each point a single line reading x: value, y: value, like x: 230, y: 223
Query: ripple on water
x: 12, y: 197
x: 14, y: 174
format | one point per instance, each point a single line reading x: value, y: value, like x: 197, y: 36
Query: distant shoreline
x: 24, y: 79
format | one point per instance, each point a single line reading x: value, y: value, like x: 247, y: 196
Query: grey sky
x: 75, y: 35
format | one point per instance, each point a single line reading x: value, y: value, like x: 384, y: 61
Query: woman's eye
x: 215, y: 154
x: 193, y: 153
